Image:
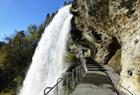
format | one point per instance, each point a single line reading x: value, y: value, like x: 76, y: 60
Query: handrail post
x: 59, y: 79
x: 73, y: 77
x: 67, y: 84
x: 77, y: 74
x: 80, y: 72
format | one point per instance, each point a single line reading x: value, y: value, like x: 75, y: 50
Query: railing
x: 127, y: 90
x: 51, y: 88
x: 65, y: 85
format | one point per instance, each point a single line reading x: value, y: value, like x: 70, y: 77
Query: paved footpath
x: 95, y: 82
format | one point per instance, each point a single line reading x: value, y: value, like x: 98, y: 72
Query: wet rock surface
x: 106, y: 26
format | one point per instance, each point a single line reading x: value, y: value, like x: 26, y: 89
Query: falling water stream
x: 47, y: 63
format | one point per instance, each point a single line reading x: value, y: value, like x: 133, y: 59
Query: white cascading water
x: 47, y: 63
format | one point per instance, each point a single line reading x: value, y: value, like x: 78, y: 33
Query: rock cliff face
x: 103, y: 27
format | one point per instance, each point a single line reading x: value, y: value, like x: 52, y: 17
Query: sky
x: 19, y: 14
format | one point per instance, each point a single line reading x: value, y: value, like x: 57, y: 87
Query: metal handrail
x: 51, y: 88
x: 126, y: 89
x: 46, y: 89
x: 78, y: 76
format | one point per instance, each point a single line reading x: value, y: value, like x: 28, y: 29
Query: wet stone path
x: 95, y: 82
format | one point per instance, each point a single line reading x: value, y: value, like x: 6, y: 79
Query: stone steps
x: 95, y: 82
x: 95, y: 67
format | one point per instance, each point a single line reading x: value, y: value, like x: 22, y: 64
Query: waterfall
x: 47, y: 63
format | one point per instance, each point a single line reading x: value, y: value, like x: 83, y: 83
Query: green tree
x: 48, y: 19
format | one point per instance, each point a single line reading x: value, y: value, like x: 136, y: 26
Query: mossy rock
x: 70, y: 58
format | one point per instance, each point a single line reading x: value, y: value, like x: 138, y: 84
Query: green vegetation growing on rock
x: 71, y: 58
